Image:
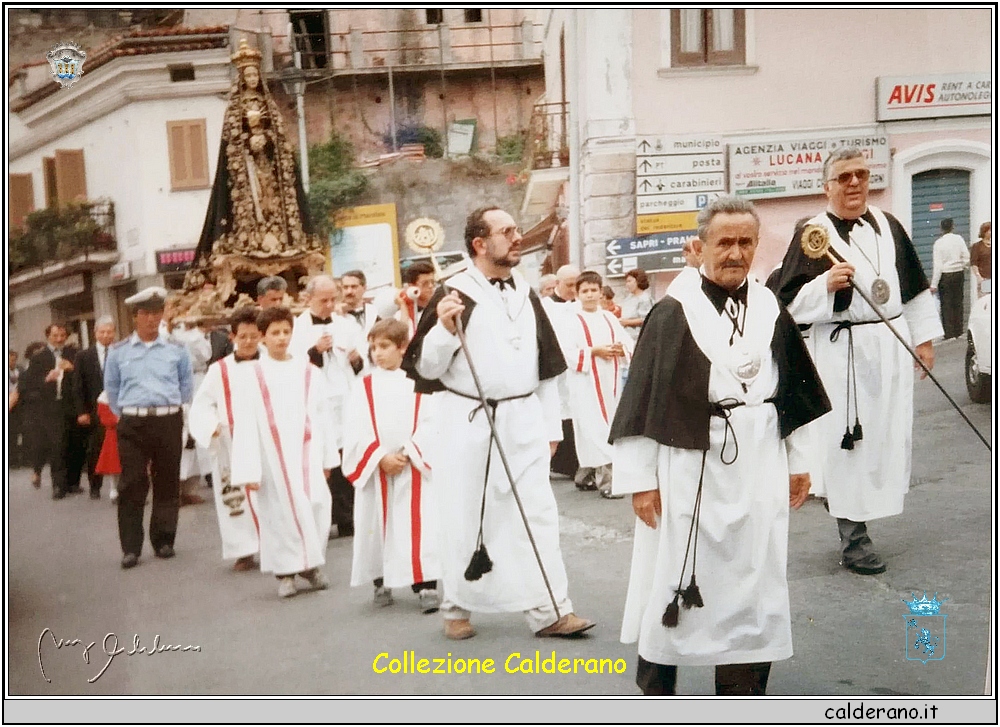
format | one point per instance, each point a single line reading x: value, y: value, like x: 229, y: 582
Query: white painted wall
x: 126, y: 158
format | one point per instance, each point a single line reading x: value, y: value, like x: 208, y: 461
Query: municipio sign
x: 678, y: 173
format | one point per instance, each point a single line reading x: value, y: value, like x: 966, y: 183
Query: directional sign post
x: 652, y: 253
x: 676, y: 174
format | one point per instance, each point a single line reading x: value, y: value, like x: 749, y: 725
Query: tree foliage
x: 333, y: 181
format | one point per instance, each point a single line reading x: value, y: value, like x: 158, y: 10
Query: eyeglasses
x: 508, y: 232
x: 845, y: 177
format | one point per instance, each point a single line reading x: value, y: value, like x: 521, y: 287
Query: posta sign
x: 933, y: 96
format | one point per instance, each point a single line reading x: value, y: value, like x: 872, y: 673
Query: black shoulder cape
x: 551, y: 362
x: 666, y: 395
x: 796, y: 270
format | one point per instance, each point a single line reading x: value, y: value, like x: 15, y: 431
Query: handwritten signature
x: 110, y: 647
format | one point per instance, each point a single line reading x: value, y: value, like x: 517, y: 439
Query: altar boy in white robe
x: 488, y: 561
x: 706, y: 440
x: 598, y: 348
x: 388, y: 433
x: 211, y: 421
x: 284, y: 447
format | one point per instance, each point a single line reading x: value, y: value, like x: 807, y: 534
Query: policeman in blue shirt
x: 147, y: 379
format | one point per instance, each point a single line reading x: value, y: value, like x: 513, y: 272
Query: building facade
x: 139, y: 133
x: 669, y: 107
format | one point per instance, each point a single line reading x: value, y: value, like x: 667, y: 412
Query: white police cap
x: 151, y: 298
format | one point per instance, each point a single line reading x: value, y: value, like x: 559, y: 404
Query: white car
x: 979, y: 354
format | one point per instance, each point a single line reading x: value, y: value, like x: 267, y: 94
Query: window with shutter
x: 22, y: 198
x: 71, y: 176
x: 49, y: 178
x: 700, y: 37
x: 188, y: 152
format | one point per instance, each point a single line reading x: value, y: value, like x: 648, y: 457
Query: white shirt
x: 951, y: 255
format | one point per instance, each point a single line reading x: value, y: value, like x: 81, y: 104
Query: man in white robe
x: 517, y: 357
x: 706, y: 441
x: 333, y: 344
x: 561, y: 307
x: 283, y: 445
x: 866, y: 441
x: 597, y: 350
x: 211, y: 421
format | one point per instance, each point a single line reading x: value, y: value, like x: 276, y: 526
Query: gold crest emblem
x: 815, y: 241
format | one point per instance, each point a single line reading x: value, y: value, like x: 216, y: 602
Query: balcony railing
x: 548, y: 136
x: 62, y: 233
x: 433, y: 46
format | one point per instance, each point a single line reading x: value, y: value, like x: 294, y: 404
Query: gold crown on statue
x: 246, y: 56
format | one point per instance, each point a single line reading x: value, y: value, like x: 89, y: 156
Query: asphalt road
x: 848, y: 630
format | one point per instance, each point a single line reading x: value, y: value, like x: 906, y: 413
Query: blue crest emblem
x: 66, y: 62
x: 925, y: 629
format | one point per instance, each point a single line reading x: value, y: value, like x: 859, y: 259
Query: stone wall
x: 446, y: 191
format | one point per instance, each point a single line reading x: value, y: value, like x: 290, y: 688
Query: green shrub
x: 334, y: 183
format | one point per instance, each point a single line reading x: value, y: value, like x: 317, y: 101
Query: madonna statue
x: 257, y: 222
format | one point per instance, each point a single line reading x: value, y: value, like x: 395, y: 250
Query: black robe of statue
x: 551, y: 361
x: 797, y: 269
x: 219, y: 216
x: 666, y: 395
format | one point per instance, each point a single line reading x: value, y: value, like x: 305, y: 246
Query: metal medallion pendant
x: 747, y: 366
x: 880, y: 291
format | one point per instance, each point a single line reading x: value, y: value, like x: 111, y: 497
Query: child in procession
x: 385, y: 437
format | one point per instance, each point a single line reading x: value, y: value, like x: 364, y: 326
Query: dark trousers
x: 94, y: 444
x: 342, y: 492
x: 50, y: 431
x: 16, y: 448
x: 855, y: 544
x: 747, y: 680
x: 149, y: 449
x: 77, y: 439
x: 951, y: 290
x: 564, y: 461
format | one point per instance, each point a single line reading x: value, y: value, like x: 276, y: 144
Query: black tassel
x: 858, y: 432
x: 479, y: 565
x: 672, y: 613
x: 691, y: 596
x: 848, y: 440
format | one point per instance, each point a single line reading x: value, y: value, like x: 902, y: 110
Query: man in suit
x: 354, y: 285
x: 88, y: 385
x: 47, y: 387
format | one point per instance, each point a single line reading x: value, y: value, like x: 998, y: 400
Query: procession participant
x: 212, y: 416
x: 865, y: 452
x: 284, y: 447
x: 331, y: 342
x: 597, y: 349
x: 387, y: 431
x: 271, y: 291
x: 558, y: 306
x: 547, y: 285
x: 951, y: 258
x: 108, y: 466
x: 706, y: 441
x: 420, y: 277
x: 148, y: 379
x: 88, y: 385
x: 979, y: 257
x: 354, y: 285
x: 517, y: 357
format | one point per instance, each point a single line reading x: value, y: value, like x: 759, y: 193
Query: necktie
x: 503, y: 282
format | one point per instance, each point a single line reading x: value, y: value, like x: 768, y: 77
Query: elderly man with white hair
x: 88, y: 385
x: 332, y: 343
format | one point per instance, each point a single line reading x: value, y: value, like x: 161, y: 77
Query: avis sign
x: 933, y: 96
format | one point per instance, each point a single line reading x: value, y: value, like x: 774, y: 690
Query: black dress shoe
x: 58, y: 494
x: 165, y: 551
x: 130, y: 560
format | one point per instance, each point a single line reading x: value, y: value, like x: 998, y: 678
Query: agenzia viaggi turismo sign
x: 791, y: 164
